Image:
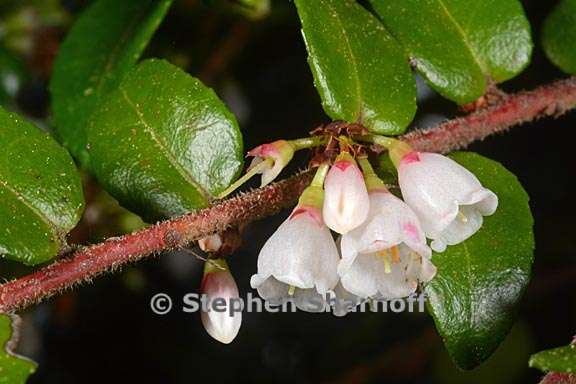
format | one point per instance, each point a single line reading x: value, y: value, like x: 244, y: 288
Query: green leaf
x: 14, y: 369
x: 559, y: 36
x: 506, y: 366
x: 456, y: 45
x: 473, y: 297
x: 104, y: 43
x: 360, y: 71
x: 561, y: 359
x: 163, y: 143
x: 40, y: 192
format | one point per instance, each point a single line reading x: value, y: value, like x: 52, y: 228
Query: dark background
x: 105, y: 332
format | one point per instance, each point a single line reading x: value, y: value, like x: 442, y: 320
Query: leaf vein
x: 20, y: 197
x: 464, y: 37
x: 164, y: 148
x: 352, y: 61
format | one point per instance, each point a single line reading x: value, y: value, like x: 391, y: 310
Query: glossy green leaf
x: 360, y: 71
x: 457, y: 45
x: 561, y: 359
x: 559, y: 36
x: 40, y: 192
x: 14, y: 369
x: 163, y: 143
x: 479, y: 283
x: 104, y: 43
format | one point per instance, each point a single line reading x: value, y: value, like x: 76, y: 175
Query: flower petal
x: 346, y: 202
x: 344, y: 301
x: 368, y: 277
x: 301, y: 253
x: 309, y: 300
x: 459, y: 229
x: 436, y: 186
x: 390, y: 223
x: 270, y: 289
x: 221, y: 325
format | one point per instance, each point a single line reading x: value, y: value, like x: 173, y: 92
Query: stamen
x: 462, y: 217
x: 395, y: 255
x: 387, y: 267
x: 386, y: 258
x: 291, y: 290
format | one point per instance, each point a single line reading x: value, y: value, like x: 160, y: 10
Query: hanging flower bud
x: 387, y: 255
x: 299, y: 261
x: 221, y: 244
x: 278, y: 154
x: 346, y: 200
x: 210, y: 244
x: 448, y: 199
x: 218, y: 283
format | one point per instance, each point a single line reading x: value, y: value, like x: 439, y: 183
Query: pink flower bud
x: 218, y: 284
x: 279, y: 153
x: 346, y: 201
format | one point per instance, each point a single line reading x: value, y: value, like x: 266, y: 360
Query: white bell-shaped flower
x: 448, y: 199
x: 218, y: 283
x: 387, y: 255
x: 346, y: 202
x: 298, y: 262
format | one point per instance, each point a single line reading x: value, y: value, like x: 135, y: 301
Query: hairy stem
x: 553, y: 99
x: 549, y: 100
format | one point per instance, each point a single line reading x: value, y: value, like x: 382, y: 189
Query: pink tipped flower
x: 346, y: 201
x: 387, y: 255
x: 218, y: 283
x: 278, y: 154
x: 298, y: 262
x: 448, y: 199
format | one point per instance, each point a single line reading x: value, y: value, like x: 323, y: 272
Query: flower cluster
x: 382, y: 250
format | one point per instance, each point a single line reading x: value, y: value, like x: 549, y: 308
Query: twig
x: 559, y: 378
x: 91, y: 261
x: 549, y: 100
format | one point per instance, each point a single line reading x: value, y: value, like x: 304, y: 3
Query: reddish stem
x: 549, y: 100
x: 559, y: 378
x: 91, y: 261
